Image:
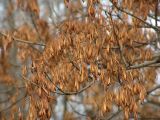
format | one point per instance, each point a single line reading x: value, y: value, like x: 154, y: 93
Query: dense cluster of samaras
x: 85, y: 51
x: 99, y: 49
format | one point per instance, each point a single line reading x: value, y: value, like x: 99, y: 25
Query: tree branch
x: 71, y: 93
x: 145, y: 64
x: 153, y: 89
x: 23, y: 41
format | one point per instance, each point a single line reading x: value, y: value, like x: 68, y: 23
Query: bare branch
x: 23, y: 41
x: 153, y: 89
x: 145, y: 64
x: 9, y: 107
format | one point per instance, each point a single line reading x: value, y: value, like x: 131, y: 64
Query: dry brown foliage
x: 105, y: 51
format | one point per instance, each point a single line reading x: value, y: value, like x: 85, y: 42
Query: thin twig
x: 119, y: 45
x: 153, y: 89
x: 114, y: 115
x: 13, y: 103
x: 156, y: 11
x: 142, y: 65
x: 23, y: 41
x: 72, y: 93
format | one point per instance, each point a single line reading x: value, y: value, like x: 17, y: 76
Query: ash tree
x: 101, y: 54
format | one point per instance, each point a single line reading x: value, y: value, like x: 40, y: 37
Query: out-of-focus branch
x: 114, y: 115
x: 9, y: 107
x: 153, y: 17
x: 35, y: 25
x: 23, y: 41
x: 153, y: 89
x: 156, y: 11
x: 154, y: 102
